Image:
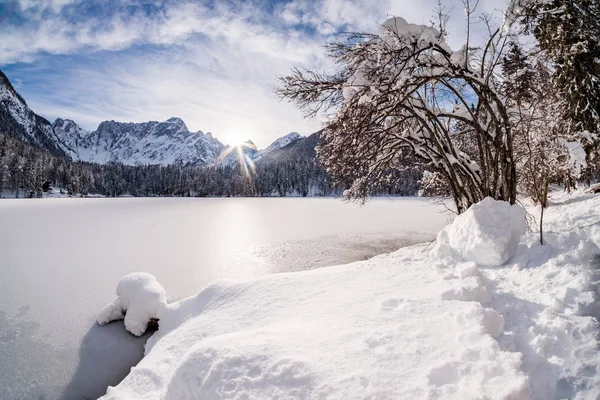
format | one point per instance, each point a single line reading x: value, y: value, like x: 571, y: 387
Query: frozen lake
x: 60, y: 261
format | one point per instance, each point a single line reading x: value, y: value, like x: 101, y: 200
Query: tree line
x: 28, y: 171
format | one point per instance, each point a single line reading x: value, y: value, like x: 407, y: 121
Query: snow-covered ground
x: 60, y: 260
x: 419, y: 323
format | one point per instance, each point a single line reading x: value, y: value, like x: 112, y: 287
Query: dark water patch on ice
x: 325, y: 251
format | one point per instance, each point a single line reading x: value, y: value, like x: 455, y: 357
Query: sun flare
x: 239, y: 145
x: 236, y: 138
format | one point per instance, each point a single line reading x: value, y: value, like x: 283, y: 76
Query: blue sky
x: 214, y: 63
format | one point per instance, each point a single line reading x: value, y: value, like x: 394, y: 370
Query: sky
x: 213, y: 63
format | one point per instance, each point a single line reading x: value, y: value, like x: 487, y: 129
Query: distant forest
x: 27, y: 171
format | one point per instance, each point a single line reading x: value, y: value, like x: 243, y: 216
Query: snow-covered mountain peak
x: 176, y: 120
x: 279, y: 143
x: 283, y: 141
x: 171, y: 127
x: 18, y: 120
x: 68, y: 126
x: 153, y: 142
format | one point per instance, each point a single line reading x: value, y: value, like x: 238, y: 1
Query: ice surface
x: 62, y: 258
x: 488, y: 233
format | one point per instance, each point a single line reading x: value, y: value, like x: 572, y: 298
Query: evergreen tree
x: 569, y: 32
x: 518, y: 75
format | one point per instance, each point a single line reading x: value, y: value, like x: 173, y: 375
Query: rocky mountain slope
x: 279, y: 144
x: 17, y: 120
x: 167, y: 142
x: 302, y: 148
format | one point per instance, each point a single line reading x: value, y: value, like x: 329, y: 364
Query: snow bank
x: 488, y: 233
x: 385, y: 328
x: 139, y: 299
x: 414, y: 324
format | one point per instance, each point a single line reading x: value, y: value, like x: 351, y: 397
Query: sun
x: 237, y: 143
x: 235, y: 138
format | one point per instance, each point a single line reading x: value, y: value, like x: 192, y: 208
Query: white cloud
x: 214, y: 67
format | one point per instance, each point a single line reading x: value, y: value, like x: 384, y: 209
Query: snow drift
x: 488, y: 233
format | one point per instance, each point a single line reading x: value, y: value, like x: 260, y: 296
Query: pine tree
x: 569, y: 32
x: 518, y: 75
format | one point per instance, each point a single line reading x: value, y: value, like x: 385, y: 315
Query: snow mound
x: 488, y: 233
x: 139, y: 299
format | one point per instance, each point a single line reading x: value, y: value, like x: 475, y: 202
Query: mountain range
x: 167, y: 142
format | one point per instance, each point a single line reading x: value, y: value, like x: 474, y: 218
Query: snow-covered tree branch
x: 402, y: 92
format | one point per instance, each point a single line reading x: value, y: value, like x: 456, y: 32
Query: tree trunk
x: 543, y: 205
x: 542, y: 225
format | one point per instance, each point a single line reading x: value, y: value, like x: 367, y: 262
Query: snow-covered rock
x: 488, y: 233
x: 139, y: 298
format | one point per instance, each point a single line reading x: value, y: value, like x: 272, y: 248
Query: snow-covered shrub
x: 433, y: 185
x: 488, y: 233
x: 139, y: 298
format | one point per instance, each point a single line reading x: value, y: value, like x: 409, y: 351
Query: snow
x: 278, y: 144
x: 488, y: 233
x: 62, y: 259
x: 165, y: 143
x: 399, y: 27
x: 376, y: 334
x: 414, y: 324
x: 139, y: 299
x: 577, y: 157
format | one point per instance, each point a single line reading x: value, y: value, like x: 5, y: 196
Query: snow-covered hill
x: 17, y: 119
